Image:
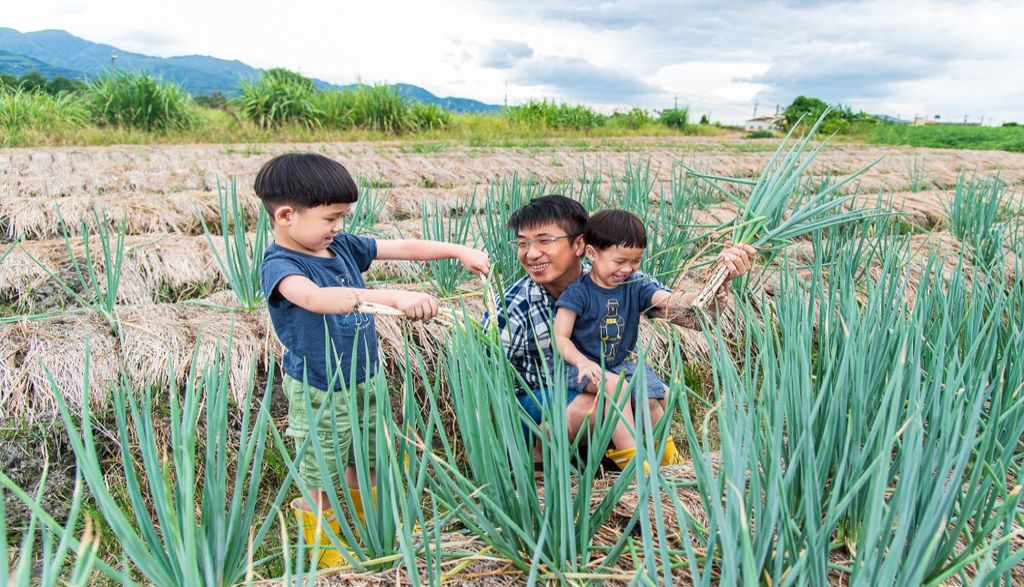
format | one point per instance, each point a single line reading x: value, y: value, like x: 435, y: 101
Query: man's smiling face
x: 549, y: 255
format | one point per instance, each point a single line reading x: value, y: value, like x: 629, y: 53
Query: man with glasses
x: 549, y: 240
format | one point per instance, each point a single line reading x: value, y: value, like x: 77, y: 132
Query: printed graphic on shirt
x: 611, y: 330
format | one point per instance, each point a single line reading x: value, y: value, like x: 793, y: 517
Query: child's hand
x: 737, y: 258
x: 417, y: 305
x: 475, y: 260
x: 591, y: 371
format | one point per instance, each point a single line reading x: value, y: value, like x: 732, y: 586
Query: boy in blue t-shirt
x: 598, y: 318
x: 311, y: 277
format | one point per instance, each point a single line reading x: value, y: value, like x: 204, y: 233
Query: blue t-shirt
x: 607, y: 320
x: 302, y: 331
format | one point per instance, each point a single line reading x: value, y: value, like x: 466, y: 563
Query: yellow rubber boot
x: 671, y: 454
x: 312, y: 529
x: 623, y: 456
x: 357, y: 502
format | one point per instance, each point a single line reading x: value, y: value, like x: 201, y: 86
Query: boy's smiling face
x: 308, y: 230
x: 613, y: 266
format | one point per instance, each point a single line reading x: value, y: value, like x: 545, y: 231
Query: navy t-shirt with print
x: 607, y: 320
x: 302, y: 332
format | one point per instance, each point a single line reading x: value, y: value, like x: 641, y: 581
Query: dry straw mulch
x: 164, y: 189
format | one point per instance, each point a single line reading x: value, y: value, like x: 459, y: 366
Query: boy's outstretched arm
x: 565, y: 319
x: 677, y: 306
x: 472, y: 259
x: 302, y: 292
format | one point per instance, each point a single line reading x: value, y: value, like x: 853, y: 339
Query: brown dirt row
x: 71, y: 171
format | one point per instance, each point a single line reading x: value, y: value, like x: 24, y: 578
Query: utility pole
x: 755, y: 109
x: 675, y: 102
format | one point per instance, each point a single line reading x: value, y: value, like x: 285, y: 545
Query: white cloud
x: 935, y: 56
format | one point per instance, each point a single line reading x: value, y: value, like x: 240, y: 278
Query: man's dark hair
x: 304, y: 180
x: 608, y: 228
x: 563, y: 212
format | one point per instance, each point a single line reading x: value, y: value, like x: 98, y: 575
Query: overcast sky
x: 951, y: 58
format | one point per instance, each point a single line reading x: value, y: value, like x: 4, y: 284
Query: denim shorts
x: 532, y: 402
x: 655, y: 387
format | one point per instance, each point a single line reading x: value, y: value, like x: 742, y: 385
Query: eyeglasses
x: 540, y: 243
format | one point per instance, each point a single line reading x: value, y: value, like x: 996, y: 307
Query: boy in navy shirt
x: 598, y: 318
x: 311, y: 277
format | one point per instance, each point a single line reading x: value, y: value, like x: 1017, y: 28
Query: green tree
x: 32, y: 81
x: 803, y: 107
x: 62, y: 85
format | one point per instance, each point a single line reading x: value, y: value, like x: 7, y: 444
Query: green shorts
x: 299, y: 427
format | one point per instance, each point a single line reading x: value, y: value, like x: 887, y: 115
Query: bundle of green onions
x: 762, y: 221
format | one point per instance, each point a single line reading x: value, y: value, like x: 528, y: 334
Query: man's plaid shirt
x: 526, y: 312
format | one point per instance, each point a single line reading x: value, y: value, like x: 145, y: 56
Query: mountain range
x: 57, y: 52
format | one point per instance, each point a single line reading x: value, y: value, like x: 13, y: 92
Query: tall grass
x: 634, y: 119
x: 381, y: 108
x: 22, y: 112
x: 943, y: 136
x: 430, y: 117
x: 544, y: 114
x: 336, y: 110
x: 678, y: 118
x: 279, y: 97
x: 140, y: 101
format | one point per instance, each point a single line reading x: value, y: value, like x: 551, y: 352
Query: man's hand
x: 591, y: 371
x: 417, y: 305
x: 474, y: 260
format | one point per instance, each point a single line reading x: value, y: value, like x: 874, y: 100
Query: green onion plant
x: 448, y: 275
x: 916, y: 173
x: 891, y: 421
x: 978, y: 215
x: 775, y: 213
x: 191, y: 517
x: 365, y: 214
x: 495, y: 494
x: 94, y: 291
x: 243, y: 255
x: 50, y: 567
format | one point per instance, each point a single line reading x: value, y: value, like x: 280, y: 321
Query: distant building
x: 763, y: 123
x: 921, y: 121
x: 889, y: 119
